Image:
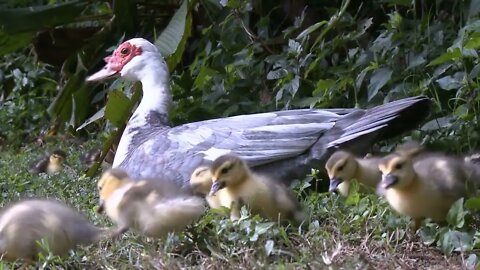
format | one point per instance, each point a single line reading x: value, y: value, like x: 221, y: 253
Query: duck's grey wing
x: 257, y: 138
x: 355, y: 132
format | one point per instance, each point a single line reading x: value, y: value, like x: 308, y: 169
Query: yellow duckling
x: 421, y: 185
x: 25, y: 223
x: 201, y: 183
x: 342, y: 167
x: 262, y: 195
x: 152, y: 208
x: 49, y: 164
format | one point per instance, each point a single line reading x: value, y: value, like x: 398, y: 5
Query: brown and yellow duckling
x: 343, y: 167
x: 25, y: 223
x: 261, y: 194
x: 49, y: 164
x: 90, y: 157
x: 152, y: 208
x: 201, y: 183
x: 425, y: 185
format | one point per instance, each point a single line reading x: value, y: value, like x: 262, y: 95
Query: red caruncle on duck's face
x: 122, y: 55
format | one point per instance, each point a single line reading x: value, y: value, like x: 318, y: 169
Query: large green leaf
x: 20, y: 20
x: 117, y: 105
x: 11, y: 43
x: 379, y: 78
x: 171, y: 42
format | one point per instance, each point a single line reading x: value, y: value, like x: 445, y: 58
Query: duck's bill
x: 216, y: 186
x: 105, y: 73
x: 388, y: 181
x: 334, y: 183
x: 101, y: 206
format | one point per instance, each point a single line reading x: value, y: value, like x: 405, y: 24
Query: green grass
x: 360, y: 232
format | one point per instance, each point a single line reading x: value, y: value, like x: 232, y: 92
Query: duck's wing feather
x: 257, y: 138
x: 285, y: 144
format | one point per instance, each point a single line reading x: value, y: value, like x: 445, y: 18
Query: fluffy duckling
x: 49, y: 164
x: 263, y: 196
x: 201, y: 183
x: 25, y: 223
x: 422, y: 185
x: 152, y: 208
x: 92, y: 156
x: 342, y: 167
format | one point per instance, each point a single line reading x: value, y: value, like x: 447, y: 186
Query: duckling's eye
x: 398, y: 166
x: 225, y: 170
x: 124, y: 51
x: 341, y: 167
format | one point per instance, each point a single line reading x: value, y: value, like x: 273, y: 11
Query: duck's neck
x: 152, y: 112
x: 157, y: 98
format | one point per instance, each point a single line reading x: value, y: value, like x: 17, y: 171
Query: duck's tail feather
x: 357, y: 132
x: 384, y: 121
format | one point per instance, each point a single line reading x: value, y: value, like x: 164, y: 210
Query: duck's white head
x: 131, y: 60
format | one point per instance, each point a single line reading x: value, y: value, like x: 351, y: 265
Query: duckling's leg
x: 25, y: 265
x: 115, y: 234
x: 417, y: 224
x: 235, y: 210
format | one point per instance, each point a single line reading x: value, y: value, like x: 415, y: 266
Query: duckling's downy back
x: 26, y: 222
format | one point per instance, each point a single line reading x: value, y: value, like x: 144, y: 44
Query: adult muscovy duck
x: 283, y: 144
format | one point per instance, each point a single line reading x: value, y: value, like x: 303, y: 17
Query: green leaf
x: 456, y: 241
x: 473, y: 203
x: 449, y: 83
x: 310, y: 29
x: 473, y: 41
x: 379, y: 78
x: 456, y: 214
x: 10, y: 43
x: 117, y: 108
x: 452, y: 55
x: 171, y: 42
x: 29, y: 19
x: 95, y: 117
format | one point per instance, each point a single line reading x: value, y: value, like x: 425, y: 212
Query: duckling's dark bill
x: 334, y: 183
x: 216, y: 186
x: 389, y: 180
x: 101, y: 206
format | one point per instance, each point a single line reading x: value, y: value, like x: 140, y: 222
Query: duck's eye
x: 225, y: 170
x: 341, y: 167
x: 124, y: 51
x: 398, y: 166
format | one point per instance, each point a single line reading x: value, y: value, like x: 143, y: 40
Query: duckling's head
x: 228, y: 170
x: 410, y: 148
x: 397, y: 171
x: 341, y: 166
x: 108, y: 183
x: 201, y: 180
x: 57, y: 157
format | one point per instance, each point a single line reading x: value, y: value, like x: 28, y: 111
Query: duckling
x: 342, y: 167
x: 153, y: 208
x: 265, y: 197
x: 201, y: 183
x: 425, y: 185
x: 49, y: 164
x: 90, y: 157
x: 25, y: 223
